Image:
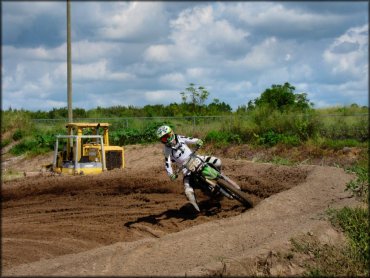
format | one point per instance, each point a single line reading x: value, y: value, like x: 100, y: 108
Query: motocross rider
x: 176, y: 150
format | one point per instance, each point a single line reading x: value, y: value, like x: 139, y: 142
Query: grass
x: 355, y: 224
x: 360, y: 185
x: 326, y: 260
x: 258, y: 127
x: 282, y: 161
x: 351, y: 259
x: 11, y: 174
x: 338, y: 144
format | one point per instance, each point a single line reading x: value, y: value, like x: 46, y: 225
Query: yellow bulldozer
x: 84, y: 151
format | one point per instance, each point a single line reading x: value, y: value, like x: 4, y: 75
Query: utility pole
x: 69, y: 63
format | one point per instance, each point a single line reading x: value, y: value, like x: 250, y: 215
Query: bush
x: 126, y: 136
x: 34, y: 145
x: 271, y: 138
x: 45, y: 141
x: 18, y: 134
x: 282, y: 97
x: 11, y: 120
x: 338, y: 144
x: 222, y: 137
x: 291, y: 140
x: 360, y: 185
x: 355, y: 224
x: 5, y: 142
x: 25, y: 146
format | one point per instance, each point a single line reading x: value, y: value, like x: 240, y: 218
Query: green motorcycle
x: 212, y: 181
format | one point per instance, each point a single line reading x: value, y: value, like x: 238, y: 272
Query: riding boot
x: 191, y: 197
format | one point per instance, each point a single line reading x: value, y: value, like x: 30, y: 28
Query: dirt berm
x: 113, y: 225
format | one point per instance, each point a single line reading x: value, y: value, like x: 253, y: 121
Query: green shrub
x: 45, y: 141
x: 34, y: 145
x: 355, y: 224
x: 360, y: 185
x: 222, y: 137
x: 18, y: 134
x: 216, y: 137
x: 338, y: 144
x: 305, y: 126
x: 5, y: 142
x: 327, y: 260
x: 290, y: 140
x: 348, y: 260
x: 271, y: 138
x: 126, y: 136
x: 24, y: 146
x: 11, y: 120
x: 265, y: 120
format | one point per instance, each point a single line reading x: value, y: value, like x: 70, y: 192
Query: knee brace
x: 187, y: 186
x: 216, y: 162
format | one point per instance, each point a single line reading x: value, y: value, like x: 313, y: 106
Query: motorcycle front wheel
x: 236, y: 193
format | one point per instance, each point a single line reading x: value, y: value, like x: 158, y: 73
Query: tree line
x: 282, y: 98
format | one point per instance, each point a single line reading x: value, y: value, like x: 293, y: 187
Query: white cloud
x: 82, y: 52
x: 196, y: 35
x: 19, y: 84
x: 199, y: 73
x: 98, y: 71
x: 92, y: 71
x: 11, y: 81
x: 86, y: 51
x: 176, y: 80
x: 279, y: 14
x: 263, y: 55
x: 138, y: 53
x: 280, y: 19
x: 158, y: 53
x: 133, y: 20
x: 35, y: 53
x: 301, y: 72
x: 353, y: 62
x: 199, y: 26
x: 240, y: 86
x: 162, y: 96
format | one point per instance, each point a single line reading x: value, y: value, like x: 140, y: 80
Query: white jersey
x: 178, y: 153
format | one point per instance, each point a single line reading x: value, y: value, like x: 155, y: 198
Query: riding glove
x: 199, y: 143
x: 173, y: 177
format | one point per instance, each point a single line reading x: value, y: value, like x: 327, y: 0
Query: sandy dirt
x: 136, y: 221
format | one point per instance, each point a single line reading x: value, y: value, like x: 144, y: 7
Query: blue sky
x: 139, y: 53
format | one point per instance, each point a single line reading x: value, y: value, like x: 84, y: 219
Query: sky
x: 139, y: 53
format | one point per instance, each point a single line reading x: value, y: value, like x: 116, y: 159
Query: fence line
x: 115, y: 119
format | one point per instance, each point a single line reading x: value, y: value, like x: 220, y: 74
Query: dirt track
x: 48, y: 221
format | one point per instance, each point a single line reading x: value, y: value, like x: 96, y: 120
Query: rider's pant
x: 187, y: 187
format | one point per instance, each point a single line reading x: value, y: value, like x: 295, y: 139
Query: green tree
x: 281, y: 97
x: 197, y: 96
x: 217, y: 107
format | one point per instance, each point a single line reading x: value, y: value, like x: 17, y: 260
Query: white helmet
x: 166, y: 135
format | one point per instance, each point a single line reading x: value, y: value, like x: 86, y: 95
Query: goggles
x: 164, y: 138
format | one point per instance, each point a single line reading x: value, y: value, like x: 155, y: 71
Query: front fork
x: 212, y: 175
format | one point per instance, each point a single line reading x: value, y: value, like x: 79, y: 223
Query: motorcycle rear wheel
x: 236, y: 193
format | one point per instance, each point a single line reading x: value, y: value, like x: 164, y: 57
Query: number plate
x: 194, y: 164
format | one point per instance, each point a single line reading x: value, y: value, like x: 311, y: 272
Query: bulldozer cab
x: 86, y: 150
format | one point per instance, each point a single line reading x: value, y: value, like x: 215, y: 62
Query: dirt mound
x: 105, y: 215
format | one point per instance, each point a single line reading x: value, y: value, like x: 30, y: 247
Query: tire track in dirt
x: 46, y: 217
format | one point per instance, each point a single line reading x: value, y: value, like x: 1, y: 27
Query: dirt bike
x: 210, y: 180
